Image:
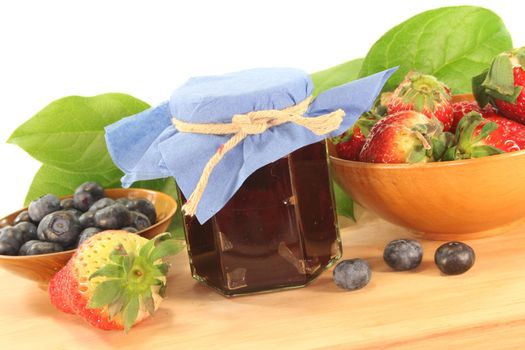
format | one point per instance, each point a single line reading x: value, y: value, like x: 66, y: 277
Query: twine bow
x: 252, y: 123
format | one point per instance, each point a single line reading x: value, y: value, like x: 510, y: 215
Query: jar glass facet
x: 278, y: 231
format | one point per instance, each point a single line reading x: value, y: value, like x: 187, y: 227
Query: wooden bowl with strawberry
x: 41, y: 267
x: 439, y: 183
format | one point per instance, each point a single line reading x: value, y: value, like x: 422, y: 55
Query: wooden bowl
x: 456, y: 200
x: 41, y: 268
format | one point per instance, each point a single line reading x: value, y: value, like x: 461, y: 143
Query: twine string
x: 252, y: 123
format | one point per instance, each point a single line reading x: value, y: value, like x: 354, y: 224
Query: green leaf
x: 485, y: 150
x: 452, y: 43
x: 500, y: 76
x: 335, y: 76
x: 69, y: 132
x: 343, y: 203
x: 60, y: 182
x: 149, y: 302
x: 486, y: 130
x: 478, y: 90
x: 165, y: 248
x: 130, y: 313
x: 417, y: 154
x: 105, y: 293
x: 109, y: 270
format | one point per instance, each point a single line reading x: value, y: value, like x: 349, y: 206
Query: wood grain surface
x: 421, y: 309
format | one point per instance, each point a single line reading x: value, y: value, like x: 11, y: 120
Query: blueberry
x: 59, y: 227
x: 4, y: 223
x: 352, y: 274
x: 75, y: 212
x: 36, y: 247
x: 101, y: 204
x: 454, y: 258
x: 403, y: 254
x: 42, y: 206
x: 139, y: 221
x: 8, y: 248
x: 28, y: 230
x: 88, y: 233
x: 130, y: 229
x: 67, y: 203
x: 87, y: 194
x: 124, y: 201
x: 87, y: 219
x: 145, y: 207
x: 22, y: 217
x: 12, y: 233
x: 113, y: 217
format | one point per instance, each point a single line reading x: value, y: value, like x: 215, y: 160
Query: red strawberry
x: 114, y: 280
x: 503, y: 85
x: 479, y: 137
x: 405, y: 137
x: 462, y: 108
x: 349, y: 144
x: 424, y: 94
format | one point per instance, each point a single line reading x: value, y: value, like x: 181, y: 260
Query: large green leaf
x: 335, y: 76
x: 49, y: 179
x: 69, y: 132
x: 452, y: 43
x: 344, y: 204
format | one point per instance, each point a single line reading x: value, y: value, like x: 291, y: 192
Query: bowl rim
x: 441, y: 164
x: 169, y: 215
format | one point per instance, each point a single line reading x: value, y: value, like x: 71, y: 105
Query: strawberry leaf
x: 500, y: 77
x: 149, y: 303
x: 109, y: 270
x: 164, y: 249
x: 485, y: 150
x: 486, y: 130
x: 105, y: 293
x: 130, y: 313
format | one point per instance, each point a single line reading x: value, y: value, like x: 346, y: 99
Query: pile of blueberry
x: 50, y: 225
x: 452, y: 258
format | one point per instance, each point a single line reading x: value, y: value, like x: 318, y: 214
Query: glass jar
x: 278, y: 231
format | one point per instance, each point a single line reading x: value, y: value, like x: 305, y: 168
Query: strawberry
x: 424, y: 94
x: 405, y: 137
x: 114, y: 280
x: 462, y: 108
x: 503, y: 84
x: 479, y: 137
x: 350, y: 143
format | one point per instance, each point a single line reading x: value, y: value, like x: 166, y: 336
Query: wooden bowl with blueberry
x: 37, y: 241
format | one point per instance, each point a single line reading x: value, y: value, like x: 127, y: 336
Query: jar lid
x: 148, y: 145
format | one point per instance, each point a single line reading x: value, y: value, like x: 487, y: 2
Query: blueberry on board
x: 454, y: 258
x: 36, y: 247
x: 42, y: 206
x: 130, y: 229
x: 101, y: 204
x: 28, y: 230
x: 87, y: 194
x: 352, y: 274
x: 22, y: 217
x: 87, y: 219
x: 8, y: 248
x: 67, y: 203
x: 403, y: 254
x: 139, y: 221
x: 59, y: 227
x: 87, y: 233
x: 113, y: 217
x: 145, y: 207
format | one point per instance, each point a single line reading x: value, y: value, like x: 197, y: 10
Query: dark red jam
x: 278, y: 231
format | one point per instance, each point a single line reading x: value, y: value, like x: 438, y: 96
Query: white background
x: 50, y: 49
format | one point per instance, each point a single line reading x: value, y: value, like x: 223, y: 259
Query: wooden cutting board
x: 421, y: 309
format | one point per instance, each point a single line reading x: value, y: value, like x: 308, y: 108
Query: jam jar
x: 278, y: 231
